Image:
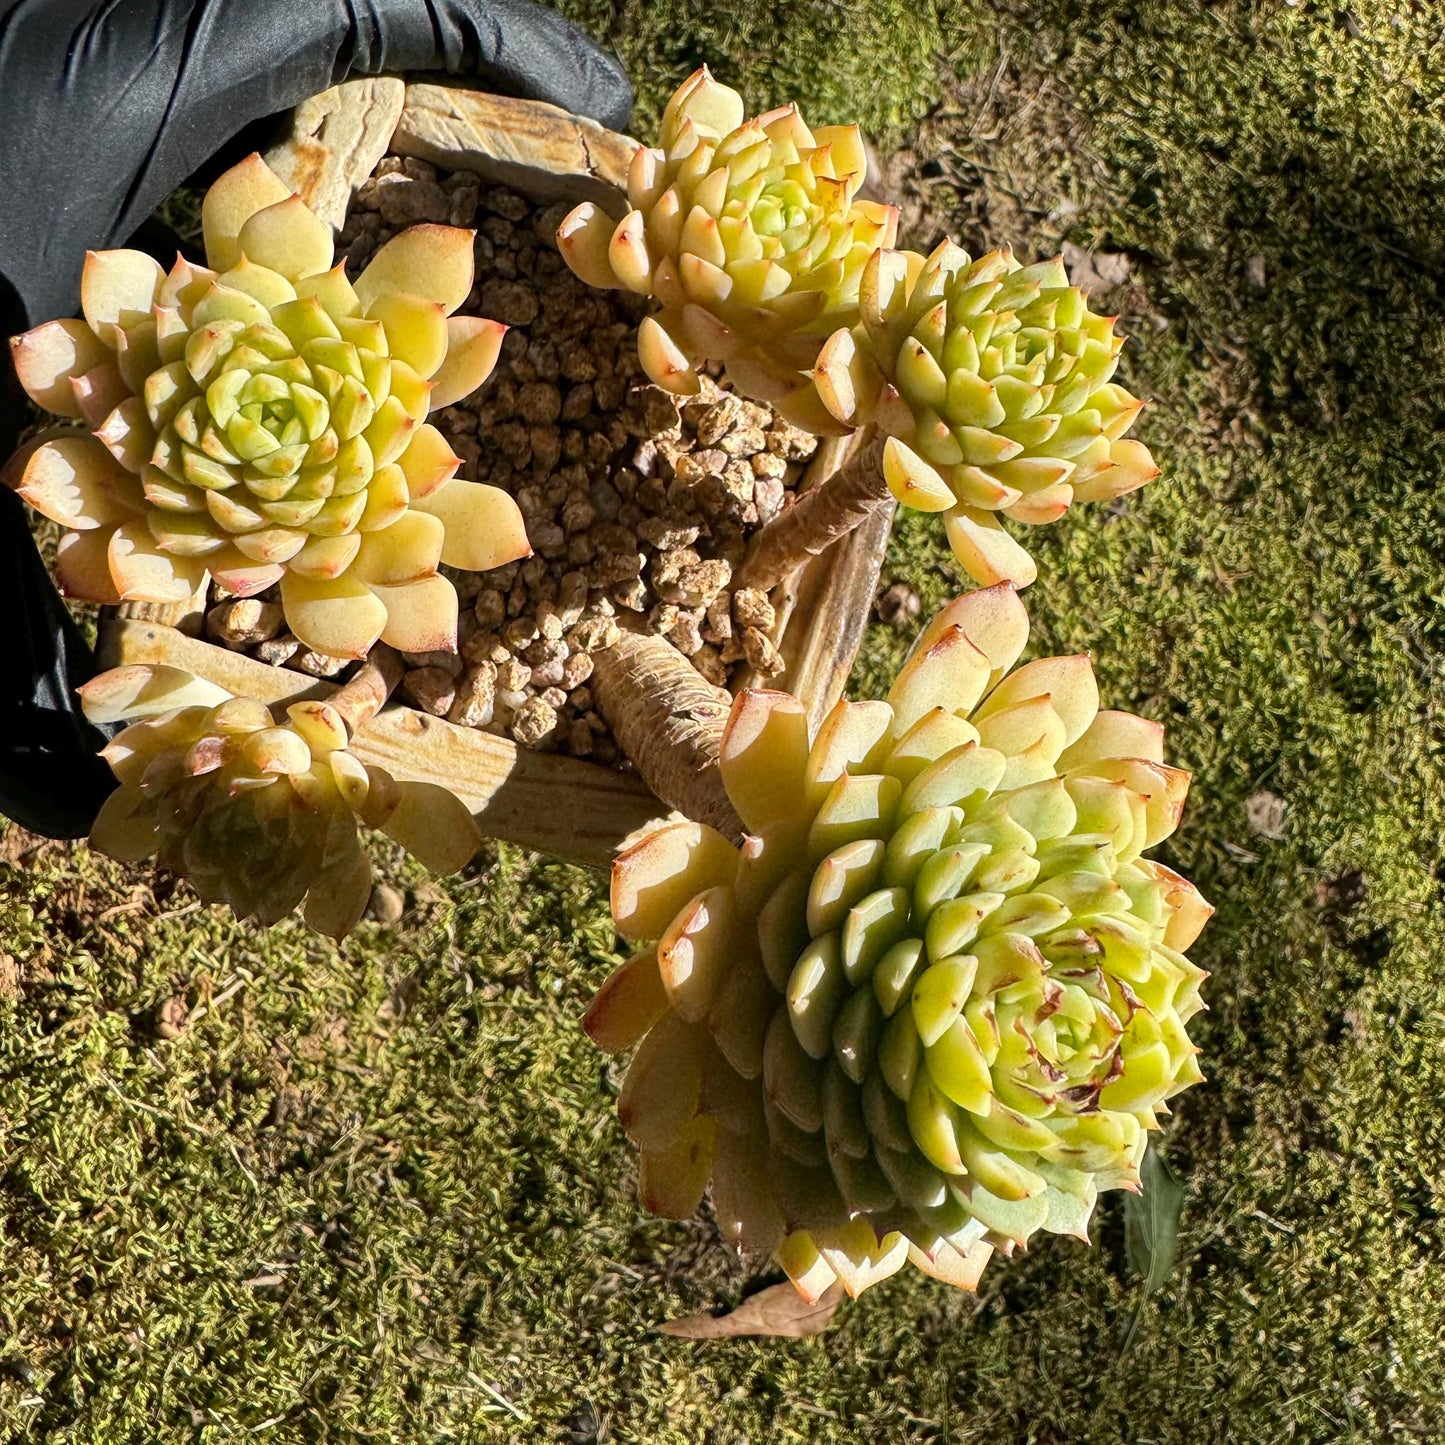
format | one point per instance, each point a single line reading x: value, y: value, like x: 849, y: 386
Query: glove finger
x: 106, y: 108
x: 51, y: 780
x: 514, y: 46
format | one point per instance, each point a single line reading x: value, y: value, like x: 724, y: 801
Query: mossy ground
x: 377, y: 1192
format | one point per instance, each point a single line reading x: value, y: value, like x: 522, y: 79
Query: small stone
x: 578, y: 515
x: 768, y: 464
x: 572, y: 598
x: 386, y: 904
x: 633, y: 594
x: 718, y: 626
x: 744, y: 442
x: 431, y: 689
x: 594, y: 633
x: 404, y: 201
x: 707, y: 661
x: 768, y: 497
x: 539, y: 403
x: 511, y: 302
x: 663, y: 617
x: 751, y: 608
x: 506, y: 203
x: 485, y: 647
x: 685, y: 635
x: 546, y: 222
x: 490, y: 609
x: 1256, y: 273
x: 578, y: 402
x: 520, y: 632
x: 547, y: 673
x: 244, y: 622
x: 554, y: 697
x: 512, y: 676
x: 279, y: 650
x: 318, y: 664
x: 577, y: 362
x: 651, y: 411
x: 667, y: 568
x: 461, y: 199
x: 787, y: 441
x: 606, y: 500
x: 897, y: 605
x: 549, y: 622
x: 475, y: 699
x: 761, y: 654
x: 620, y: 567
x: 576, y: 670
x: 717, y: 420
x: 548, y: 539
x: 534, y: 723
x: 498, y: 230
x: 668, y: 532
x: 546, y: 449
x: 693, y: 467
x: 697, y: 586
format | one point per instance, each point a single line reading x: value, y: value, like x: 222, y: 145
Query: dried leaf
x: 779, y: 1311
x: 1096, y: 271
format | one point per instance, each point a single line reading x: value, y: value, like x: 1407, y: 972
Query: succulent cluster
x: 993, y: 383
x: 750, y: 235
x: 938, y: 998
x: 261, y: 419
x: 257, y: 814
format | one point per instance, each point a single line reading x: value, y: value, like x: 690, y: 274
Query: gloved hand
x: 106, y: 106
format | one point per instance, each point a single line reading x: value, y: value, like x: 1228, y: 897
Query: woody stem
x: 669, y: 721
x: 818, y: 518
x: 363, y: 696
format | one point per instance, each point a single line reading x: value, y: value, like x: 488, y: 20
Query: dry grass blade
x: 778, y: 1311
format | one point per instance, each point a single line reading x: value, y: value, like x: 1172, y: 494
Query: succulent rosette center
x: 257, y: 814
x: 937, y: 1000
x: 261, y: 419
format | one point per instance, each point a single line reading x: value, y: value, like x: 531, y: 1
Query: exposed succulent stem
x: 819, y: 517
x: 366, y: 694
x: 669, y: 721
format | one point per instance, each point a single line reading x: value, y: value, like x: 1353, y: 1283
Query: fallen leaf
x: 778, y: 1311
x: 1096, y: 270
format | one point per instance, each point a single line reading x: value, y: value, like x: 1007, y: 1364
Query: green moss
x: 379, y: 1193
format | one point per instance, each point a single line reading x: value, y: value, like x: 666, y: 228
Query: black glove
x: 106, y: 106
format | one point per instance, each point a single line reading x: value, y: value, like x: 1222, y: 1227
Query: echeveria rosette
x: 257, y: 814
x: 750, y: 236
x: 261, y: 419
x: 993, y: 383
x: 937, y: 999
